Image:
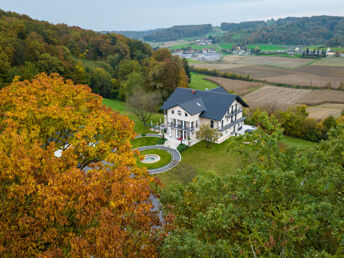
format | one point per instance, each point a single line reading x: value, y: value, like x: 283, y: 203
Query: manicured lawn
x: 198, y: 82
x: 297, y: 142
x: 144, y: 141
x: 165, y: 158
x: 199, y: 160
x: 123, y: 108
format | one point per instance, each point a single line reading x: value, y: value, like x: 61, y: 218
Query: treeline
x: 296, y: 123
x: 328, y: 30
x: 135, y: 34
x: 179, y: 32
x: 108, y: 63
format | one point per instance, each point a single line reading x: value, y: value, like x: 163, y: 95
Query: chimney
x: 193, y: 91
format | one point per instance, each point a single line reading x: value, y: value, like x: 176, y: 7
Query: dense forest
x: 179, y: 32
x: 109, y: 63
x: 314, y: 30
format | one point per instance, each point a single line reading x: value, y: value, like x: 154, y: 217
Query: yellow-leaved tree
x: 69, y: 181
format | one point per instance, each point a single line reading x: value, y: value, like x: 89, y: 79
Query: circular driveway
x: 175, y: 158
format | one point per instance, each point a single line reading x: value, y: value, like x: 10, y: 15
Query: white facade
x: 182, y: 125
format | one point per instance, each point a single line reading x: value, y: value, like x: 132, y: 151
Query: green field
x: 122, y: 107
x: 198, y: 82
x: 227, y: 45
x: 266, y: 47
x: 165, y: 158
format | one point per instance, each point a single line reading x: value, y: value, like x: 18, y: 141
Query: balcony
x: 232, y: 113
x: 180, y: 127
x: 232, y: 124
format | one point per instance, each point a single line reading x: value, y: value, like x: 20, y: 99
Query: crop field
x: 324, y: 110
x: 285, y: 62
x: 330, y: 62
x: 329, y: 102
x: 235, y: 86
x: 293, y: 71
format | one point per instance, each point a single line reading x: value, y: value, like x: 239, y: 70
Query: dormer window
x: 186, y: 114
x: 172, y: 112
x: 179, y: 112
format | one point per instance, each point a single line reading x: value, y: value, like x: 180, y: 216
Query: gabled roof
x: 219, y: 90
x: 193, y: 106
x: 213, y: 104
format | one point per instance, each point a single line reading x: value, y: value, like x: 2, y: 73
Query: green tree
x: 207, y: 134
x: 280, y: 203
x: 144, y: 104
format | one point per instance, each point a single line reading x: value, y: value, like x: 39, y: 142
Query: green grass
x: 123, y: 108
x: 165, y: 158
x: 198, y: 82
x: 200, y: 160
x: 297, y: 142
x: 265, y: 47
x: 219, y: 159
x: 144, y: 141
x: 227, y: 45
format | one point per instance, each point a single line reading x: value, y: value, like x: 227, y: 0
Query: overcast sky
x: 149, y: 14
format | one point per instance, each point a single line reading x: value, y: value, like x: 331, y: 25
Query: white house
x: 186, y: 109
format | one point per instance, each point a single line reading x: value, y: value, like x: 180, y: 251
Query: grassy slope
x: 217, y: 159
x: 121, y: 107
x: 198, y: 83
x: 298, y: 143
x: 165, y: 158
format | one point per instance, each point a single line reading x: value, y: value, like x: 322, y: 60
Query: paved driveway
x: 175, y: 158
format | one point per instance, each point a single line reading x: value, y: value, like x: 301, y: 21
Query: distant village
x: 211, y: 54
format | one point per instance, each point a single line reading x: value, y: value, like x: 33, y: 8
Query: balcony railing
x: 232, y: 124
x: 179, y: 126
x: 232, y: 113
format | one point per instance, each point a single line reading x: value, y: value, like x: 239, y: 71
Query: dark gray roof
x: 214, y: 105
x: 219, y: 90
x: 193, y: 106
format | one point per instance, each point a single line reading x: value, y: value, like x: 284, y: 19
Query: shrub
x: 181, y: 147
x: 143, y: 134
x: 161, y: 141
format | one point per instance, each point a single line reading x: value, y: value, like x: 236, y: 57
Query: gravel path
x: 176, y: 157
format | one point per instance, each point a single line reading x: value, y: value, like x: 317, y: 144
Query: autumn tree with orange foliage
x: 90, y: 200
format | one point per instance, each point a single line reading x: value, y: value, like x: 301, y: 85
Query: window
x: 222, y: 124
x: 186, y: 114
x: 235, y: 118
x: 179, y: 112
x: 172, y: 112
x: 212, y: 124
x: 236, y: 107
x: 192, y: 124
x: 174, y: 122
x: 196, y: 124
